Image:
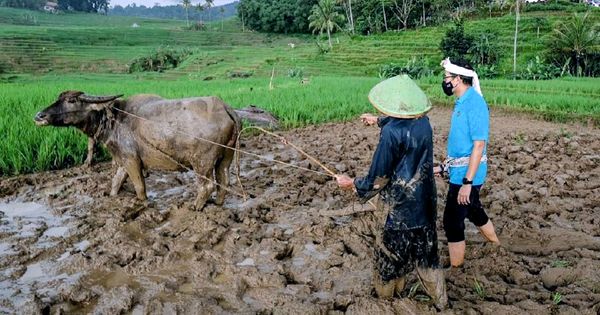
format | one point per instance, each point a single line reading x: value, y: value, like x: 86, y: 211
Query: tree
x: 485, y: 50
x: 403, y: 9
x: 517, y: 17
x: 347, y: 4
x: 222, y: 11
x: 456, y: 43
x: 186, y: 5
x: 324, y: 17
x: 84, y: 5
x: 575, y: 43
x: 384, y: 16
x: 200, y: 8
x: 209, y: 4
x: 25, y: 4
x: 281, y: 16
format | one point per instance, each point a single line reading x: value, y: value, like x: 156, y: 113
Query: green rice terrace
x: 44, y: 54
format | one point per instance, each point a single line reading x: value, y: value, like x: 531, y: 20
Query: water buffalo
x: 165, y: 135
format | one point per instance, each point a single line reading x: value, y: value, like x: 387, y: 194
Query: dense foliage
x: 164, y: 58
x: 24, y: 4
x: 195, y: 12
x: 65, y: 5
x: 574, y: 44
x: 84, y: 5
x: 278, y: 16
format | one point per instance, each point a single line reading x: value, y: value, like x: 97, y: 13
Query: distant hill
x: 176, y: 12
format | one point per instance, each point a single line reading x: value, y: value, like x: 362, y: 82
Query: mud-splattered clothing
x: 402, y: 172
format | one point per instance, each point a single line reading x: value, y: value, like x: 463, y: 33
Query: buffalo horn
x: 98, y: 99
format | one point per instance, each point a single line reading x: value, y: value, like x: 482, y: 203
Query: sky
x: 150, y: 3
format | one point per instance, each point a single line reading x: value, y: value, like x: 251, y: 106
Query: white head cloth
x: 452, y: 68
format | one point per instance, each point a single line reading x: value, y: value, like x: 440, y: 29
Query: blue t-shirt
x: 470, y: 122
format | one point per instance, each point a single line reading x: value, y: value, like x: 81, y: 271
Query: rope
x: 232, y: 148
x: 329, y: 173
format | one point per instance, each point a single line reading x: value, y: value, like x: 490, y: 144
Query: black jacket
x: 402, y: 171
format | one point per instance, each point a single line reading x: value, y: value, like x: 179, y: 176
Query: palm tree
x: 200, y: 8
x: 324, y: 17
x: 384, y: 16
x: 347, y: 4
x: 209, y: 4
x: 576, y: 38
x: 517, y: 18
x: 186, y: 5
x: 222, y: 11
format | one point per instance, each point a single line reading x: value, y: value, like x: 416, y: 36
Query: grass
x: 44, y: 54
x: 559, y: 264
x: 479, y: 290
x: 26, y: 148
x: 556, y: 298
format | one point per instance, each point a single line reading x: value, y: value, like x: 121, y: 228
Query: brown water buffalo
x: 166, y: 135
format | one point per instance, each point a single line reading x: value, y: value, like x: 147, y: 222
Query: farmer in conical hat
x: 467, y: 159
x: 402, y: 172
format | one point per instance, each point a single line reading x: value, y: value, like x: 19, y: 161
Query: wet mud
x: 66, y: 247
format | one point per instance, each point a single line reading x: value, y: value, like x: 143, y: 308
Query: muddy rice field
x: 298, y: 244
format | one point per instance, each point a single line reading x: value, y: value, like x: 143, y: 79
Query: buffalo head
x: 72, y: 108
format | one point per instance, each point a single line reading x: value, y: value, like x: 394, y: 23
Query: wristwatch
x: 467, y: 182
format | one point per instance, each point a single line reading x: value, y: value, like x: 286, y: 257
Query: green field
x: 44, y: 54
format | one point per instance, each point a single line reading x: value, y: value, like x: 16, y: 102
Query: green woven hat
x: 399, y: 97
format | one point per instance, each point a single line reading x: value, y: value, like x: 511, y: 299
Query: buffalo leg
x: 90, y: 152
x: 134, y: 170
x: 118, y: 180
x: 205, y: 188
x: 204, y: 168
x: 222, y: 174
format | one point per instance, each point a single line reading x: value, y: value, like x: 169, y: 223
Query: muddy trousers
x: 431, y: 279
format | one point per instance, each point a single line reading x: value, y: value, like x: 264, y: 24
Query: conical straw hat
x: 399, y: 97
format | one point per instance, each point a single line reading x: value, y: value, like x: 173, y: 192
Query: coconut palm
x: 200, y: 9
x: 324, y: 17
x: 517, y: 18
x: 209, y: 4
x: 347, y: 4
x: 222, y: 11
x: 186, y: 5
x: 576, y: 38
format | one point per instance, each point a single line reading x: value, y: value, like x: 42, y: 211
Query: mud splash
x: 66, y: 246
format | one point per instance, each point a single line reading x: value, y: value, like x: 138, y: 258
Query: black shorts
x: 455, y: 214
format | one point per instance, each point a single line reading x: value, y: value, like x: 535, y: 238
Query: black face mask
x: 447, y: 87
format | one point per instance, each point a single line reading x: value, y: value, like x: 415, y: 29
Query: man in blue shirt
x: 467, y: 159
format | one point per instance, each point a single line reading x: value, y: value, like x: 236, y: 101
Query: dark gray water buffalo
x: 166, y: 135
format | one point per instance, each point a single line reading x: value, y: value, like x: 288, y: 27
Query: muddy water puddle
x: 28, y: 229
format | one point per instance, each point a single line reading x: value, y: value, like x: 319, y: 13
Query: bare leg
x: 435, y: 285
x: 90, y: 152
x: 488, y: 231
x: 384, y: 290
x: 457, y: 253
x: 118, y: 180
x: 399, y: 287
x: 222, y: 174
